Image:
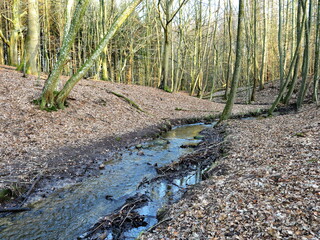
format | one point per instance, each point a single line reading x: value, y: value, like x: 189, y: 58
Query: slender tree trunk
x: 297, y: 63
x: 68, y: 16
x: 166, y: 24
x: 15, y: 33
x: 196, y: 75
x: 48, y: 96
x: 63, y: 94
x: 166, y: 45
x: 294, y: 59
x: 255, y: 61
x: 229, y: 67
x: 130, y: 65
x: 280, y: 46
x: 316, y: 60
x: 1, y: 44
x: 236, y: 74
x: 33, y: 41
x: 47, y: 48
x: 305, y: 65
x: 264, y: 44
x: 165, y: 59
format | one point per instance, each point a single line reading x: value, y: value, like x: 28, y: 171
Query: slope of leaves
x: 35, y: 142
x: 271, y: 189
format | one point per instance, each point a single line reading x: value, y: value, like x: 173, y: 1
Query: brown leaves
x: 271, y: 190
x: 31, y: 138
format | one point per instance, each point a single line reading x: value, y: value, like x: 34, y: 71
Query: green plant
x: 300, y: 134
x: 313, y: 160
x: 5, y: 194
x: 167, y: 89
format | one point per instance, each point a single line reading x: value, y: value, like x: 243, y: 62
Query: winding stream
x: 69, y: 212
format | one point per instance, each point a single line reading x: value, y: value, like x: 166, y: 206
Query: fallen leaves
x: 33, y: 141
x: 271, y: 189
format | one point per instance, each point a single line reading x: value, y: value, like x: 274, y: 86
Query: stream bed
x: 70, y: 212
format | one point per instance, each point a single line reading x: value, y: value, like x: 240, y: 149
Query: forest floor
x: 62, y: 147
x: 266, y: 184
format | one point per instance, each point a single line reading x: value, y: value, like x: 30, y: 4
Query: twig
x: 94, y: 230
x: 127, y: 215
x: 6, y: 210
x: 174, y: 184
x: 156, y: 225
x: 31, y: 189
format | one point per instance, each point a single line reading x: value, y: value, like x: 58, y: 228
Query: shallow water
x: 69, y: 212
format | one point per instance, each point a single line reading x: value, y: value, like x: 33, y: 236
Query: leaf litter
x: 271, y: 189
x: 65, y: 146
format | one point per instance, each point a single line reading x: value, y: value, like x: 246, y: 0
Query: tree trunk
x: 63, y: 94
x: 255, y: 61
x: 305, y: 65
x: 29, y: 64
x: 316, y: 60
x: 230, y: 50
x: 297, y: 63
x: 165, y: 58
x: 280, y: 48
x: 48, y: 96
x: 264, y: 50
x: 166, y: 28
x: 236, y: 74
x: 15, y: 34
x: 1, y: 44
x: 284, y: 86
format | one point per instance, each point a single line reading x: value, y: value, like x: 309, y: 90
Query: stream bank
x: 151, y: 169
x: 141, y: 212
x: 83, y: 162
x: 57, y: 146
x: 266, y: 186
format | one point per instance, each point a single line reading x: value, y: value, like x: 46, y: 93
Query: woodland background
x: 174, y: 45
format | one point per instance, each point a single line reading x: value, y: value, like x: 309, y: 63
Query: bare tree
x: 236, y: 74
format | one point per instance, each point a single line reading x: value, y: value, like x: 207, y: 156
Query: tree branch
x: 132, y: 103
x: 4, y: 39
x: 159, y: 13
x: 175, y: 13
x: 6, y: 18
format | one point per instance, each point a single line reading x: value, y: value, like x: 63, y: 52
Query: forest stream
x: 70, y: 212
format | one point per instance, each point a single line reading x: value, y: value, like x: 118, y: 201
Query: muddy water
x: 69, y: 212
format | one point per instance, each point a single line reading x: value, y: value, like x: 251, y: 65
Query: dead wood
x: 12, y: 210
x: 128, y: 100
x: 123, y: 219
x: 26, y: 196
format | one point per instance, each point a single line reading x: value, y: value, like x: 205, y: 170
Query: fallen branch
x: 223, y: 94
x: 194, y: 110
x: 31, y: 189
x: 124, y: 219
x: 156, y: 225
x: 8, y: 210
x: 132, y: 103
